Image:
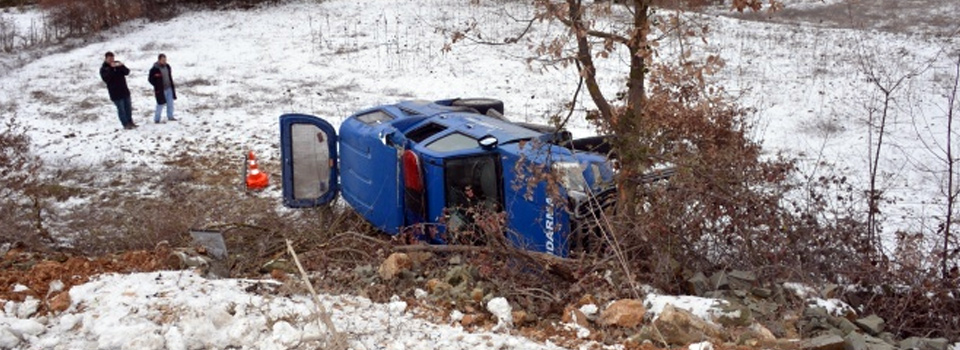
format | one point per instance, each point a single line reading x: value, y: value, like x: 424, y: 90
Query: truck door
x: 308, y: 150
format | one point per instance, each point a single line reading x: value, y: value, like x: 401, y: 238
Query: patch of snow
x: 55, y: 286
x: 8, y: 340
x: 456, y: 316
x: 799, y: 289
x: 420, y: 293
x: 28, y: 307
x: 835, y: 307
x: 18, y: 288
x: 590, y: 310
x: 500, y: 308
x: 182, y: 310
x: 705, y: 308
x: 701, y: 346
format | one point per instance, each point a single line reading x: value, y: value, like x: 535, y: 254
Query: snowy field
x: 237, y: 71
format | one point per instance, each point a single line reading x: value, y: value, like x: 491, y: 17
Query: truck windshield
x: 473, y: 181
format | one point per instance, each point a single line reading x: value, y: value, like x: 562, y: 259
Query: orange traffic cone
x: 256, y: 179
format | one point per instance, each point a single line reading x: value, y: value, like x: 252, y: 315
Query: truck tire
x: 482, y: 105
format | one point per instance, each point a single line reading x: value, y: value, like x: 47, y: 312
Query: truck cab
x: 435, y: 169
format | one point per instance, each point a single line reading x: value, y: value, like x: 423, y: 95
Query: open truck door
x: 308, y: 149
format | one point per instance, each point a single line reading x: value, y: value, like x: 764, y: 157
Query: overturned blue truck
x: 411, y: 167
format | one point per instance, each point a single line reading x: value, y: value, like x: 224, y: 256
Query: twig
x: 339, y: 341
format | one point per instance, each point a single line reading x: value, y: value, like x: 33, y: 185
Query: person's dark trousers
x: 125, y: 112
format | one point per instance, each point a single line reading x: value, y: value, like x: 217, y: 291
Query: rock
x: 757, y: 335
x: 735, y: 315
x: 824, y: 342
x: 393, y: 265
x: 364, y: 271
x: 829, y: 291
x: 815, y: 312
x: 679, y: 327
x: 476, y: 295
x: 520, y: 317
x: 458, y: 275
x: 741, y: 279
x: 455, y: 260
x: 623, y: 313
x: 846, y: 326
x: 419, y: 258
x: 698, y: 284
x: 854, y: 341
x: 435, y: 286
x: 60, y: 302
x: 874, y: 343
x: 469, y: 320
x: 915, y: 343
x: 762, y: 292
x: 890, y: 339
x: 719, y: 281
x: 872, y: 324
x: 571, y: 314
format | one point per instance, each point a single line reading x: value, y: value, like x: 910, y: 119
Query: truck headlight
x: 571, y: 177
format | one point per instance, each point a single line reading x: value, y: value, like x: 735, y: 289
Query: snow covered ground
x: 180, y: 310
x: 237, y: 71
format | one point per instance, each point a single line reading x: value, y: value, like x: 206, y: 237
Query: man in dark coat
x: 114, y: 74
x: 161, y: 78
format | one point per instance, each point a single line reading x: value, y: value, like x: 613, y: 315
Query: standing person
x: 162, y: 80
x: 114, y: 74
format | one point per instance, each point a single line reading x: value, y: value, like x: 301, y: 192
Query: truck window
x: 424, y: 132
x: 453, y: 142
x: 374, y: 118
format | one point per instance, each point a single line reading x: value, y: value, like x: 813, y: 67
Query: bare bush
x: 21, y: 204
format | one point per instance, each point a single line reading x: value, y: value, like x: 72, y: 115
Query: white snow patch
x: 420, y: 293
x: 705, y: 308
x: 182, y: 310
x: 589, y: 310
x: 500, y: 308
x: 835, y: 307
x: 456, y: 316
x: 801, y: 290
x: 18, y: 288
x: 28, y: 307
x: 701, y: 346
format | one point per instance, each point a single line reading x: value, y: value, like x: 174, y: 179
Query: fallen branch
x: 339, y: 340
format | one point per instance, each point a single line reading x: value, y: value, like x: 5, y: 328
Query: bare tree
x: 887, y: 85
x: 951, y: 191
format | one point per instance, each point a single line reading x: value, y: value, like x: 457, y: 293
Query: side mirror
x: 488, y: 142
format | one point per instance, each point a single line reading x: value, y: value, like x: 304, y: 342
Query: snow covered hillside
x: 237, y: 71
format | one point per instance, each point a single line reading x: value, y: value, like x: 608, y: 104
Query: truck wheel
x: 482, y: 105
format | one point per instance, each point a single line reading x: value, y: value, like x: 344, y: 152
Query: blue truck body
x: 404, y: 167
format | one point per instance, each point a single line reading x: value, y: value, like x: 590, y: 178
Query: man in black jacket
x: 161, y: 78
x: 114, y: 74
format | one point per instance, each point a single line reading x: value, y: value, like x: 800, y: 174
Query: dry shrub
x: 726, y: 207
x: 20, y: 192
x: 79, y: 17
x: 82, y: 17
